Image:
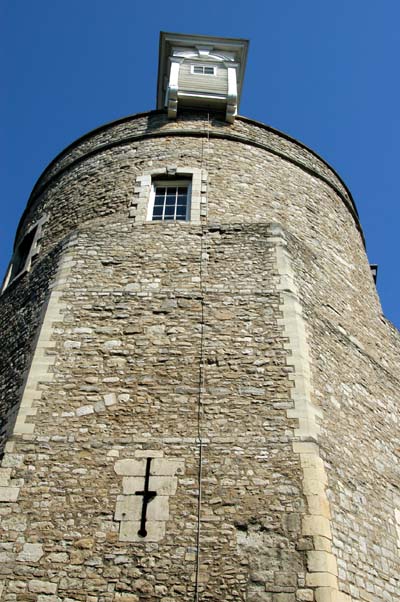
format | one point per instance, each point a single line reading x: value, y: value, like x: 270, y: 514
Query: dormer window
x: 203, y: 70
x: 200, y: 72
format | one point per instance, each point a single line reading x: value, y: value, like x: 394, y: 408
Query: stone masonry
x: 202, y: 410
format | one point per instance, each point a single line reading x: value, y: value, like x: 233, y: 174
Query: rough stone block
x: 9, y: 494
x: 283, y: 597
x: 5, y: 474
x: 12, y: 460
x: 31, y: 552
x: 84, y: 410
x: 43, y: 587
x: 305, y: 595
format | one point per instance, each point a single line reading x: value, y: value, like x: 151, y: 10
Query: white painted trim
x: 172, y: 89
x: 232, y: 96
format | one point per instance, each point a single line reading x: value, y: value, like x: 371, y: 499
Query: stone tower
x: 199, y: 390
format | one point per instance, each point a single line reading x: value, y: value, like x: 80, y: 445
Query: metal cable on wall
x: 202, y: 273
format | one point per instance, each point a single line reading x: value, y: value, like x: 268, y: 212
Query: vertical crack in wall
x: 322, y: 571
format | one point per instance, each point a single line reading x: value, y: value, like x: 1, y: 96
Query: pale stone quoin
x: 199, y: 391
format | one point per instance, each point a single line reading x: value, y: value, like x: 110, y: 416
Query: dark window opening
x: 203, y: 70
x: 21, y: 254
x: 374, y: 271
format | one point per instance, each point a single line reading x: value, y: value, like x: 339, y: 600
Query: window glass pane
x: 170, y: 200
x: 209, y: 70
x: 180, y: 212
x: 197, y: 69
x: 157, y: 210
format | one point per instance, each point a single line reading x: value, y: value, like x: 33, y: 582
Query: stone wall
x: 242, y: 363
x: 137, y: 128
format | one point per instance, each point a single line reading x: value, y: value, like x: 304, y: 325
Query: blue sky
x: 324, y: 72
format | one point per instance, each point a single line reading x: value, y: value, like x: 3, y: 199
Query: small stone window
x: 23, y: 254
x: 203, y: 70
x: 170, y: 201
x: 171, y: 194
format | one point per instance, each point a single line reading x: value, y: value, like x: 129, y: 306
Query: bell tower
x: 199, y: 391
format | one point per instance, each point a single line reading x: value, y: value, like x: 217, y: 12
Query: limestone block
x: 9, y: 494
x: 31, y: 552
x: 310, y: 460
x: 129, y: 508
x: 321, y: 580
x: 110, y: 399
x: 314, y: 473
x: 305, y: 595
x: 61, y: 557
x: 130, y: 467
x: 12, y: 460
x: 316, y: 525
x: 162, y: 485
x: 313, y: 486
x: 329, y: 594
x: 5, y: 474
x: 320, y: 562
x: 149, y: 453
x: 84, y: 410
x: 165, y: 466
x: 322, y: 543
x: 129, y: 531
x: 42, y: 587
x: 318, y: 504
x: 23, y: 428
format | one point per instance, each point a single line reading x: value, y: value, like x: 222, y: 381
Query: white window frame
x: 34, y: 250
x: 165, y: 183
x: 141, y: 207
x: 213, y: 67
